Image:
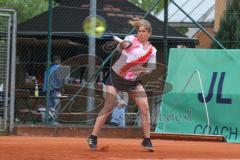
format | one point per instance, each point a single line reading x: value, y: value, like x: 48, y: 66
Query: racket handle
x: 117, y: 39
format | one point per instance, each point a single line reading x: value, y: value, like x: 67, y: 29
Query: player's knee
x: 108, y: 108
x: 145, y: 110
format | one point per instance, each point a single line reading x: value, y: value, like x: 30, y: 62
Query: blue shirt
x: 54, y: 82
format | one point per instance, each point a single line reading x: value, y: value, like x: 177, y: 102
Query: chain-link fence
x: 71, y: 43
x: 213, y: 23
x: 4, y: 67
x: 32, y: 63
x: 7, y: 54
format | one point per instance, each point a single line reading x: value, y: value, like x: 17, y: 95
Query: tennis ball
x: 98, y: 30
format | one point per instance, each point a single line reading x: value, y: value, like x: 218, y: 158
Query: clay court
x: 62, y: 148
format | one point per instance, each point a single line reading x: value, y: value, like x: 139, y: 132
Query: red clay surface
x: 61, y: 148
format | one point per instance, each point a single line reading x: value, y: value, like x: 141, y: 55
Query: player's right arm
x: 123, y: 44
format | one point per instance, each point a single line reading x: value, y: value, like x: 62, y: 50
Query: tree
x: 229, y: 31
x: 26, y: 9
x: 147, y: 5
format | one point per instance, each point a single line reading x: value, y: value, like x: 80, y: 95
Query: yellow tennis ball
x: 98, y: 30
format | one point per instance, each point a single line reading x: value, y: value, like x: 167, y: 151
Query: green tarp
x: 183, y: 110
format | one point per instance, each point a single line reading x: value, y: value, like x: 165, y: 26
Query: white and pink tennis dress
x: 133, y: 57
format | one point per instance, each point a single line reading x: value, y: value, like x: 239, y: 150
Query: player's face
x: 143, y: 34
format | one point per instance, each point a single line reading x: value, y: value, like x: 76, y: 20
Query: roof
x: 202, y: 11
x: 69, y: 15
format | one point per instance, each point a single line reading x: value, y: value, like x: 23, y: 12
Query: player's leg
x: 110, y: 100
x: 140, y: 97
x: 109, y: 104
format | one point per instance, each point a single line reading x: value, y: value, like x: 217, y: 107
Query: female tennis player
x: 135, y: 53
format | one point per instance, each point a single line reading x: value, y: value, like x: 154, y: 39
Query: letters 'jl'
x: 219, y: 98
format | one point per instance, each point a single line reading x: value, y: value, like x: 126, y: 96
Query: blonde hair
x: 137, y: 22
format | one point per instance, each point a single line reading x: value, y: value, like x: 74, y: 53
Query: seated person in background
x: 55, y: 87
x: 118, y: 114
